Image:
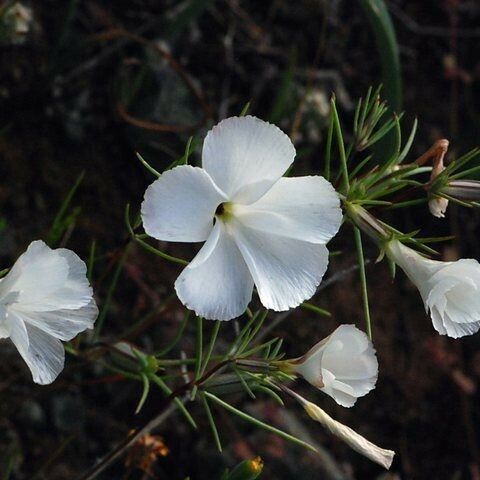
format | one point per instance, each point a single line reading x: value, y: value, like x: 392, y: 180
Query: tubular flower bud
x: 450, y: 290
x: 342, y: 365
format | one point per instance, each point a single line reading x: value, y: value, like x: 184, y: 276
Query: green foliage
x: 65, y: 218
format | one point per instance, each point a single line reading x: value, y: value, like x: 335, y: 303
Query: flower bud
x: 127, y: 356
x: 15, y: 23
x: 342, y: 365
x: 438, y: 206
x: 449, y: 289
x: 350, y: 437
x: 436, y: 203
x: 247, y: 470
x: 366, y: 222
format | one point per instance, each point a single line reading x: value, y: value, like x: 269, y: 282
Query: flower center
x: 224, y: 211
x: 220, y: 210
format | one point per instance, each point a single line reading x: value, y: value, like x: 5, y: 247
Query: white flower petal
x: 342, y: 393
x: 64, y: 324
x: 216, y: 284
x: 350, y: 355
x: 444, y: 325
x: 245, y: 156
x: 37, y: 274
x: 305, y: 208
x: 17, y: 331
x: 44, y: 354
x: 286, y: 271
x: 180, y: 205
x: 43, y: 279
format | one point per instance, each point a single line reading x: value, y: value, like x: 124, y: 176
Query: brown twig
x: 119, y: 33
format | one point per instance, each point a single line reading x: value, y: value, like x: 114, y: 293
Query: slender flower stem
x: 211, y: 420
x: 161, y: 254
x: 341, y: 144
x: 211, y: 346
x: 177, y: 338
x: 198, y: 354
x: 328, y: 151
x: 259, y: 423
x: 363, y: 279
x: 111, y: 290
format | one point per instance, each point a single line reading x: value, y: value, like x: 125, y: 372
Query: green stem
x: 211, y: 346
x: 177, y: 338
x: 259, y: 423
x: 341, y: 144
x: 110, y: 292
x: 363, y: 279
x: 211, y: 421
x: 328, y: 149
x: 168, y: 391
x: 154, y: 250
x: 314, y: 308
x: 198, y: 355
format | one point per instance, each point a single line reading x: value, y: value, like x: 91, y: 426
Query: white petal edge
x: 43, y: 354
x: 286, y: 271
x: 63, y: 324
x: 216, y: 284
x: 47, y: 279
x: 180, y: 205
x: 305, y: 208
x: 245, y: 156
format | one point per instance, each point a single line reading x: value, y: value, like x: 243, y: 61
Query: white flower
x: 450, y: 290
x: 342, y: 365
x: 438, y: 206
x: 350, y: 437
x: 259, y: 227
x: 45, y: 298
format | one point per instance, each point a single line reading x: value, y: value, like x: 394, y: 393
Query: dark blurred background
x: 87, y: 83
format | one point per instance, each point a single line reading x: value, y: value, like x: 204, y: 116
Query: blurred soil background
x: 88, y: 83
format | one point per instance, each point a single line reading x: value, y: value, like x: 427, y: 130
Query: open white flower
x: 450, y: 290
x: 259, y: 228
x: 343, y: 365
x: 45, y: 298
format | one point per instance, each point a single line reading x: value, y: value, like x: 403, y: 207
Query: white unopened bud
x: 438, y: 206
x: 449, y: 289
x: 350, y: 437
x: 343, y: 365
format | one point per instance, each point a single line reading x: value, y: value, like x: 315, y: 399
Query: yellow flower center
x: 224, y: 211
